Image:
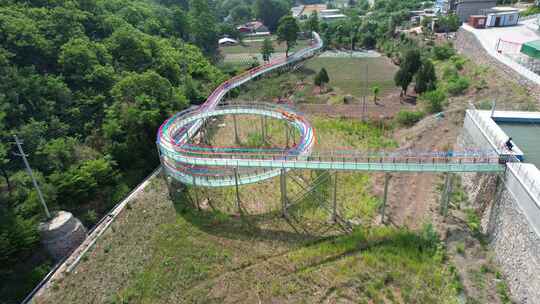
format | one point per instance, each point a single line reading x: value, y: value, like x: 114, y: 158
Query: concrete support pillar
x: 168, y: 181
x: 61, y: 234
x: 385, y: 196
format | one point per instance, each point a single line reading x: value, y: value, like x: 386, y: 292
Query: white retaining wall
x: 523, y: 182
x: 512, y: 218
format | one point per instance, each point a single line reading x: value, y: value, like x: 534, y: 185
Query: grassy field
x: 254, y: 47
x: 347, y: 76
x: 165, y: 251
x: 161, y: 252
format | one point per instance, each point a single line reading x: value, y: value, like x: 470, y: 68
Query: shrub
x: 460, y: 248
x: 443, y: 51
x: 38, y: 273
x: 530, y: 11
x: 485, y: 105
x: 449, y: 72
x: 502, y: 291
x: 429, y: 235
x: 409, y: 118
x: 458, y: 61
x: 481, y: 84
x: 458, y: 85
x: 433, y: 101
x: 473, y: 222
x: 89, y: 218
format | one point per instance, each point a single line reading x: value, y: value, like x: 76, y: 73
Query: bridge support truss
x: 310, y: 190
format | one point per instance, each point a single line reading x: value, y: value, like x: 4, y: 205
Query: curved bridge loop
x: 175, y: 134
x: 208, y: 174
x: 226, y: 166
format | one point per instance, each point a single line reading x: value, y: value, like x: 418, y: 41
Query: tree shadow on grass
x: 409, y: 99
x: 306, y: 71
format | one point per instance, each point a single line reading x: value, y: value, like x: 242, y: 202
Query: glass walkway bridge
x: 198, y: 165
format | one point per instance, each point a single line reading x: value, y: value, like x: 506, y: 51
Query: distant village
x: 476, y: 13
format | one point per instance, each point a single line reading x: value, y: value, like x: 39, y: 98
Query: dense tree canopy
x: 271, y: 11
x: 86, y: 84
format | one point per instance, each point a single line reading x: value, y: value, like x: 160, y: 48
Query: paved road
x: 519, y: 34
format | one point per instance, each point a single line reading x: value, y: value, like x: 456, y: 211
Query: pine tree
x: 321, y: 78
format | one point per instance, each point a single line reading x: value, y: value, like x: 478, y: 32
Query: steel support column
x: 237, y: 191
x: 334, y: 203
x: 263, y: 129
x: 236, y: 139
x: 195, y: 193
x: 447, y: 194
x: 385, y: 196
x: 283, y: 188
x: 286, y: 134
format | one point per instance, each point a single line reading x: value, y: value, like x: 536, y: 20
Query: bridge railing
x: 237, y: 159
x: 347, y: 155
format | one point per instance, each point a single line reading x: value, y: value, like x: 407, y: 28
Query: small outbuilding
x: 252, y: 27
x: 530, y: 55
x: 466, y: 8
x: 531, y: 49
x: 477, y: 21
x: 501, y: 16
x: 227, y: 41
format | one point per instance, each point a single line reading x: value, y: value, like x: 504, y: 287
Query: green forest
x: 85, y: 85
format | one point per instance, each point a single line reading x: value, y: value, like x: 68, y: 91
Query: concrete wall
x: 510, y: 210
x: 512, y: 227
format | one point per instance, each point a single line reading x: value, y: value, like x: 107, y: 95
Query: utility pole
x: 29, y: 170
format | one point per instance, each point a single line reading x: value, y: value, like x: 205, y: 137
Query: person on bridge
x: 509, y: 145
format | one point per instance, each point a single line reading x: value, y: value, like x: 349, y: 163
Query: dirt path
x: 387, y: 107
x: 412, y: 200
